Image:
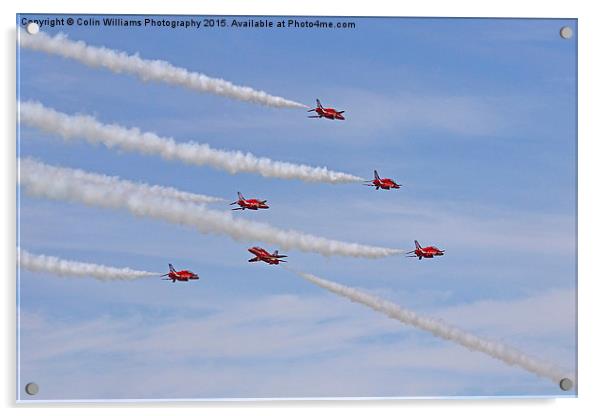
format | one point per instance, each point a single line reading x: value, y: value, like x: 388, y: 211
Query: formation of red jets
x: 256, y: 204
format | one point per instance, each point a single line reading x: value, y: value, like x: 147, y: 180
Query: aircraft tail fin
x: 319, y: 103
x: 171, y: 269
x: 417, y: 245
x: 376, y: 175
x: 240, y: 197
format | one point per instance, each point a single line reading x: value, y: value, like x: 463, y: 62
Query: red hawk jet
x: 426, y: 252
x: 181, y: 276
x: 329, y: 113
x: 384, y: 183
x: 262, y: 255
x: 253, y: 204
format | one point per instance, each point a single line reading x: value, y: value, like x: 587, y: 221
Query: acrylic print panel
x: 195, y: 224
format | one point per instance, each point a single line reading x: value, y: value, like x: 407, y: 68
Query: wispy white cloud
x: 456, y: 114
x: 320, y: 338
x: 439, y: 328
x: 462, y: 224
x: 550, y: 314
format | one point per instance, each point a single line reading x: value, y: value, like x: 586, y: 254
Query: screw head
x: 566, y: 32
x: 32, y: 28
x: 32, y: 389
x: 566, y: 384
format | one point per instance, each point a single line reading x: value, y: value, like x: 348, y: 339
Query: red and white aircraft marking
x: 253, y: 204
x: 329, y: 113
x: 181, y: 276
x: 385, y: 183
x: 263, y: 255
x: 426, y: 252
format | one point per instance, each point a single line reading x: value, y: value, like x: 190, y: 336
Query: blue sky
x: 476, y: 118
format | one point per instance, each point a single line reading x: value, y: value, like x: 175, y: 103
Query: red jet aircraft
x: 253, y: 204
x: 262, y: 255
x: 426, y: 252
x: 181, y: 276
x: 329, y: 113
x: 385, y: 183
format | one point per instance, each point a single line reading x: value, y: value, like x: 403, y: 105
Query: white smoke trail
x: 41, y: 169
x: 147, y: 70
x: 438, y: 328
x: 132, y: 139
x: 68, y: 268
x: 61, y: 184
